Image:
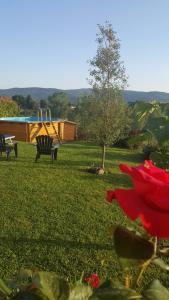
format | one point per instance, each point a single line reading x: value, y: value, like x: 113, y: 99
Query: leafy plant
x: 39, y: 285
x: 49, y: 287
x: 160, y: 159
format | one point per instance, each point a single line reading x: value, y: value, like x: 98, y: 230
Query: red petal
x: 149, y: 163
x: 149, y: 169
x: 154, y: 191
x: 156, y: 172
x: 110, y: 195
x: 94, y: 280
x: 126, y: 169
x: 129, y: 201
x: 156, y: 222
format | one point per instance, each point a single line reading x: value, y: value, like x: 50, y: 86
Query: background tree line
x: 59, y: 103
x: 135, y: 125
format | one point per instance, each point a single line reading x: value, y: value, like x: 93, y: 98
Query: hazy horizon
x: 40, y: 87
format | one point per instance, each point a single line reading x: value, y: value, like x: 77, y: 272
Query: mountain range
x: 43, y: 93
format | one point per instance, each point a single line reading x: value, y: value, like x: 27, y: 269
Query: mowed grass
x: 54, y: 216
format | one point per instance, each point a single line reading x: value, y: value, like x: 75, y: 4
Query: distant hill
x: 35, y: 92
x: 132, y: 96
x: 43, y: 93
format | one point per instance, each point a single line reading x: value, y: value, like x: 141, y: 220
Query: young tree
x: 107, y: 77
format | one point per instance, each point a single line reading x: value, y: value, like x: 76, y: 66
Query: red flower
x: 148, y: 200
x: 93, y: 280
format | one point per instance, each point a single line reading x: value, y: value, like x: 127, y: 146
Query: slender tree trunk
x: 103, y: 155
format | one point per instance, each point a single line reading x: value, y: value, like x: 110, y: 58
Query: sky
x: 47, y: 43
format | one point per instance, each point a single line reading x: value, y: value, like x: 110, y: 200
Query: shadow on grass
x: 11, y: 159
x: 29, y: 163
x: 118, y: 180
x: 56, y: 242
x: 79, y: 144
x: 79, y: 168
x: 79, y: 154
x: 120, y: 156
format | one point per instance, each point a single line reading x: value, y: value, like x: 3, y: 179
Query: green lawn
x: 55, y: 217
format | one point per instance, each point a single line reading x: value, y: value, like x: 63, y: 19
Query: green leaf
x: 164, y: 251
x: 115, y: 294
x: 12, y: 284
x: 2, y: 297
x: 51, y: 286
x: 111, y: 284
x: 81, y: 292
x: 156, y: 291
x: 4, y: 289
x: 30, y: 295
x: 131, y: 248
x: 159, y: 262
x: 25, y: 274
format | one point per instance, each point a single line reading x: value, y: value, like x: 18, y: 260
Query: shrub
x: 122, y: 143
x: 8, y: 107
x: 160, y: 159
x: 148, y: 149
x: 137, y: 141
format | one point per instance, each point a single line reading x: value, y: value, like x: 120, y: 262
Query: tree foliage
x: 26, y: 103
x: 8, y: 107
x: 150, y: 121
x: 60, y: 105
x: 108, y: 122
x: 82, y: 114
x: 107, y: 71
x: 142, y: 112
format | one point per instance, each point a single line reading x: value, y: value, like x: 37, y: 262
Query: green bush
x: 122, y: 143
x: 164, y: 147
x: 160, y: 159
x: 148, y: 149
x: 138, y: 141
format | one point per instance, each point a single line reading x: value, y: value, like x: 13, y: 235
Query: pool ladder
x: 40, y: 118
x: 47, y: 112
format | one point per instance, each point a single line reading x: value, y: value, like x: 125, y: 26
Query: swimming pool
x: 27, y: 128
x: 28, y: 119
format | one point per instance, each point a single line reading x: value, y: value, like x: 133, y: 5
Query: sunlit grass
x: 55, y: 217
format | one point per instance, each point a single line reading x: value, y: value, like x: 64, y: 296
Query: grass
x: 55, y: 217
